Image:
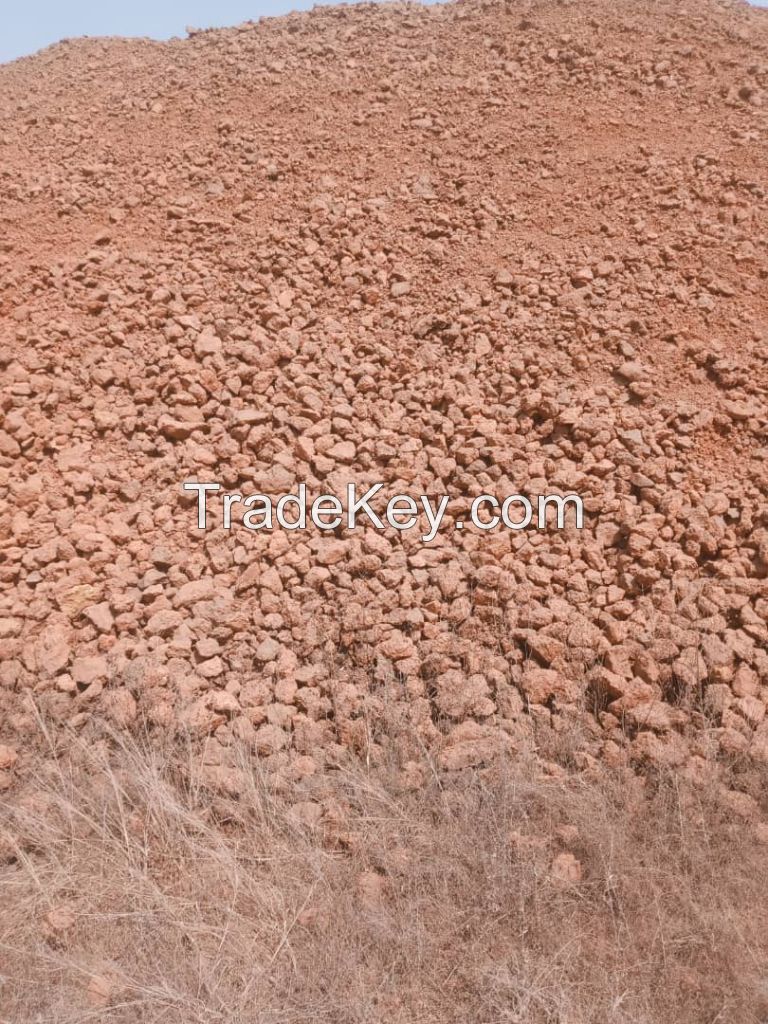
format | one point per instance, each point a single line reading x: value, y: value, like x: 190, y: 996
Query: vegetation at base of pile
x: 131, y: 891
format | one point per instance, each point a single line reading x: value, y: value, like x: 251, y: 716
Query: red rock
x: 52, y: 651
x: 89, y: 669
x: 566, y: 869
x: 293, y: 321
x: 193, y: 592
x: 8, y: 757
x: 164, y: 622
x: 542, y: 684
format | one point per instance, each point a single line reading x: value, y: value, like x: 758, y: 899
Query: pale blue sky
x: 28, y: 25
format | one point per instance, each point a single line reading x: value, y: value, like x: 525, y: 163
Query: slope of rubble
x: 466, y: 248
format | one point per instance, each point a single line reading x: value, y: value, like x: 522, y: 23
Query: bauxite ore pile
x: 462, y: 249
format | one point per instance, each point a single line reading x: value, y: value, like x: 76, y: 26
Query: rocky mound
x: 481, y: 247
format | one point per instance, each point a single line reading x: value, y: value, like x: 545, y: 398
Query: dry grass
x: 176, y: 904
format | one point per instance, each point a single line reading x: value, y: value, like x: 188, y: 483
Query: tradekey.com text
x: 367, y: 507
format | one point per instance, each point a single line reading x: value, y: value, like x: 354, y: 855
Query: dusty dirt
x: 465, y: 248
